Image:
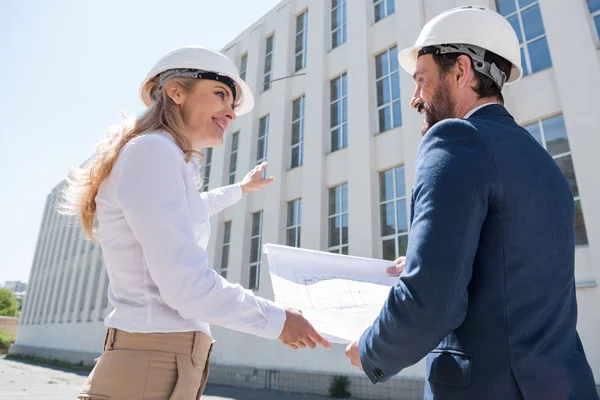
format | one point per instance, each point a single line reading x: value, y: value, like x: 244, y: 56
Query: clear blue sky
x: 67, y: 70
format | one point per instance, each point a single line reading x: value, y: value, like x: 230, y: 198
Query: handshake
x: 299, y: 333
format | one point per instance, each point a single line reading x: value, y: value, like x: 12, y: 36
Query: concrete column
x: 279, y: 133
x: 76, y: 261
x: 92, y: 266
x: 316, y: 133
x: 60, y: 266
x: 34, y: 275
x: 82, y: 276
x: 247, y: 124
x: 581, y: 117
x: 362, y: 185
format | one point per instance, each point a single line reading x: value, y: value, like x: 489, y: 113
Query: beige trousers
x: 150, y: 366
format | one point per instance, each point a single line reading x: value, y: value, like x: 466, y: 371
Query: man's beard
x: 440, y: 108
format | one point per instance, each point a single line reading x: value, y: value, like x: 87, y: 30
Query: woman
x: 141, y: 188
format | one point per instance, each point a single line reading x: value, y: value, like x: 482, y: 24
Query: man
x: 488, y: 291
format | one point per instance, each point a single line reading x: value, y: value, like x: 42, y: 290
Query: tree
x: 8, y: 304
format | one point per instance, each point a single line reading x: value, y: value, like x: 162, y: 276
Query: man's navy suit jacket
x: 488, y: 293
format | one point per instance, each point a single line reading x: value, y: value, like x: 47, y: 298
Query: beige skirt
x: 150, y: 366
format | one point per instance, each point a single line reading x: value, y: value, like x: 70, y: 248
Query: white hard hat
x: 468, y: 25
x: 201, y: 60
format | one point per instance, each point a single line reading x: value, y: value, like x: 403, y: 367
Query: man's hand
x: 354, y: 355
x: 398, y: 266
x: 253, y: 180
x: 298, y: 332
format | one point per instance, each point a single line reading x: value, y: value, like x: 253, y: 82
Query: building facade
x: 341, y: 138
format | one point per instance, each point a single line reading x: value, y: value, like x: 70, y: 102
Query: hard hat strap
x: 192, y: 73
x: 477, y: 55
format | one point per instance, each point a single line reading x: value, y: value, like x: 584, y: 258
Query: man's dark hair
x: 485, y: 85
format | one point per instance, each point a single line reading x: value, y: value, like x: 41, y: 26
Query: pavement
x: 22, y: 380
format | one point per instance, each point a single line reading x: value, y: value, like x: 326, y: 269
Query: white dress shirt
x: 153, y: 228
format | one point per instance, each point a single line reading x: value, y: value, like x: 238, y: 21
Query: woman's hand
x: 299, y: 333
x: 253, y: 180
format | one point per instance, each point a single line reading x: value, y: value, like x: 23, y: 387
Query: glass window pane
x: 387, y: 219
x: 254, y: 244
x: 290, y: 214
x: 385, y: 91
x: 580, y: 232
x: 379, y: 11
x: 525, y: 3
x: 345, y: 229
x: 235, y: 141
x: 532, y: 22
x: 290, y: 239
x: 396, y: 110
x: 594, y: 5
x: 334, y: 231
x: 299, y: 43
x: 597, y: 22
x: 506, y: 7
x: 232, y: 162
x: 395, y: 86
x: 380, y: 92
x: 295, y: 132
x: 333, y: 201
x: 256, y: 224
x: 336, y: 15
x: 394, y: 59
x: 253, y: 283
x: 227, y: 232
x: 344, y: 80
x: 224, y: 257
x: 524, y: 62
x: 539, y: 55
x: 400, y: 182
x: 335, y: 140
x: 391, y: 7
x: 299, y: 62
x: 231, y: 179
x: 534, y: 130
x: 296, y: 109
x: 335, y: 3
x: 224, y: 274
x: 260, y: 149
x: 402, y: 245
x: 514, y: 21
x: 344, y: 250
x: 401, y: 219
x: 555, y: 134
x: 344, y: 136
x: 385, y: 122
x: 386, y: 185
x: 388, y: 249
x: 295, y: 157
x: 565, y: 164
x: 335, y: 117
x: 381, y: 65
x: 344, y: 190
x: 344, y: 109
x: 269, y: 44
x: 334, y: 89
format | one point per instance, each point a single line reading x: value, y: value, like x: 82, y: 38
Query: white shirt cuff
x: 276, y: 320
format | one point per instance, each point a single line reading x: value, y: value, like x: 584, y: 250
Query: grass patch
x: 5, y: 340
x: 50, y: 362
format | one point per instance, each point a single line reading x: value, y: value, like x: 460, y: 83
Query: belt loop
x: 110, y: 339
x: 195, y: 345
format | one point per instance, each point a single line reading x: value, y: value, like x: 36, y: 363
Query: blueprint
x: 340, y: 295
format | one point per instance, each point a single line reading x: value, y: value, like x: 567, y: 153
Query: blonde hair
x: 79, y: 196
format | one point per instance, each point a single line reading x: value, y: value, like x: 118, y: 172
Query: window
x: 255, y: 250
x: 594, y: 7
x: 339, y: 113
x: 268, y: 63
x: 338, y: 23
x: 388, y: 89
x: 338, y: 219
x: 225, y: 250
x: 263, y: 142
x: 243, y: 66
x: 297, y: 132
x: 294, y: 213
x: 206, y: 177
x: 383, y: 8
x: 552, y: 134
x: 392, y: 213
x: 233, y: 157
x: 526, y: 19
x: 301, y: 40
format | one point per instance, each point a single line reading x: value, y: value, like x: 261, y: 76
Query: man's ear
x: 175, y: 92
x: 463, y: 71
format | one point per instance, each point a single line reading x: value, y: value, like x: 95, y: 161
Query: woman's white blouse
x: 153, y: 228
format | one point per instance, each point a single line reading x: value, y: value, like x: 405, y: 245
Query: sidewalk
x: 20, y: 380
